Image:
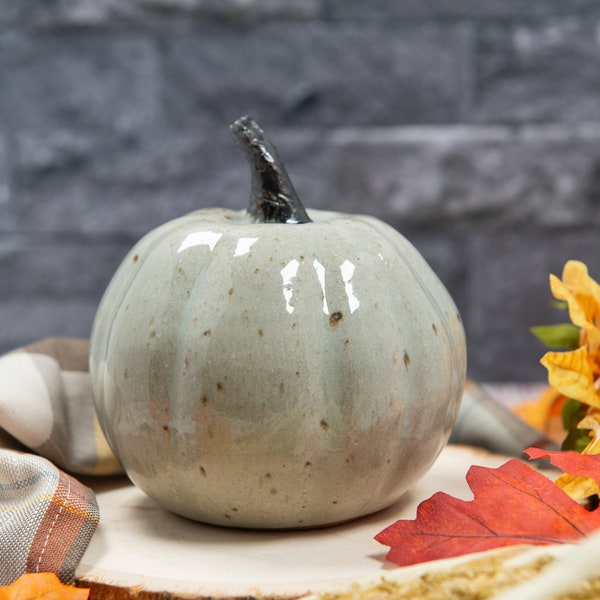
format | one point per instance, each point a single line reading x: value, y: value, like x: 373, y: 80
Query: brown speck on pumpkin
x: 334, y: 502
x: 268, y: 476
x: 308, y: 463
x: 227, y: 516
x: 458, y: 317
x: 260, y: 333
x: 257, y: 271
x: 406, y: 359
x: 335, y: 317
x: 207, y: 333
x: 219, y: 387
x: 152, y: 335
x: 165, y: 428
x: 135, y: 258
x: 273, y: 492
x: 228, y: 217
x: 202, y: 471
x: 204, y: 400
x: 324, y: 425
x: 230, y: 292
x: 434, y: 328
x: 234, y: 510
x: 346, y: 342
x: 281, y: 389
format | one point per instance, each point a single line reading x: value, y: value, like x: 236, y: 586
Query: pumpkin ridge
x: 417, y: 274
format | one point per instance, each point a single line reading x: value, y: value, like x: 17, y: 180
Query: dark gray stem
x: 273, y: 197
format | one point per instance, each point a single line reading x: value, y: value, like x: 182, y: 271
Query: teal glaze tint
x: 276, y: 375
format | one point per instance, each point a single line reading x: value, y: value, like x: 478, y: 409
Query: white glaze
x: 276, y: 375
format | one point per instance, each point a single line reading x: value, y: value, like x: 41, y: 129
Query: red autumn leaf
x: 513, y: 504
x: 41, y: 586
x: 573, y: 463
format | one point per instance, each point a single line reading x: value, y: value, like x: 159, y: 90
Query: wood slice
x: 143, y: 552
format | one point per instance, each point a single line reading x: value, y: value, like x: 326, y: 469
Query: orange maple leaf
x: 513, y: 504
x: 573, y: 463
x: 41, y: 586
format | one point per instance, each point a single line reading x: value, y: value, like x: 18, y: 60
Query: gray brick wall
x: 472, y: 127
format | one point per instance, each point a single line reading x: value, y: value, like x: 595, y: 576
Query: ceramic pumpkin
x: 276, y: 367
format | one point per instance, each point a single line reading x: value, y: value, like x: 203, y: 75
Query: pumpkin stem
x: 273, y: 198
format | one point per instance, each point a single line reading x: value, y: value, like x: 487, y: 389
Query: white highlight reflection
x: 347, y: 269
x: 200, y: 238
x: 288, y: 273
x: 320, y: 270
x: 243, y: 245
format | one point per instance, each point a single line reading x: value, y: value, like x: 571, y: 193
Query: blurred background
x: 472, y: 127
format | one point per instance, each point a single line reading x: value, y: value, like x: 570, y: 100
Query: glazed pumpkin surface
x: 276, y: 374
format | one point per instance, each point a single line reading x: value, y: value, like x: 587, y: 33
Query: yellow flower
x: 582, y: 295
x: 572, y: 375
x: 576, y: 374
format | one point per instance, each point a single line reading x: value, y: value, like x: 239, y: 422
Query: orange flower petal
x: 34, y: 586
x: 544, y: 413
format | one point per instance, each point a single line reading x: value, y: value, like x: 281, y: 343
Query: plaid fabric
x: 485, y: 420
x: 47, y: 518
x: 49, y: 381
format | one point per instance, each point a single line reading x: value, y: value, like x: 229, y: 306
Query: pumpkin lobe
x: 273, y: 198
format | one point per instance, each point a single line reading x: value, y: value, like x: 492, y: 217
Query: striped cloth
x: 47, y: 517
x: 485, y: 420
x: 48, y: 427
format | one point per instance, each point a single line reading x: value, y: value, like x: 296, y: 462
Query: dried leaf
x: 573, y: 463
x: 41, y: 586
x: 582, y: 472
x: 513, y: 504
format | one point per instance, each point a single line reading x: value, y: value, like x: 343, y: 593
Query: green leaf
x: 572, y: 413
x: 577, y: 440
x: 560, y: 304
x: 564, y: 335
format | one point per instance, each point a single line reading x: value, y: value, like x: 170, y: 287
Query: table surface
x: 139, y: 546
